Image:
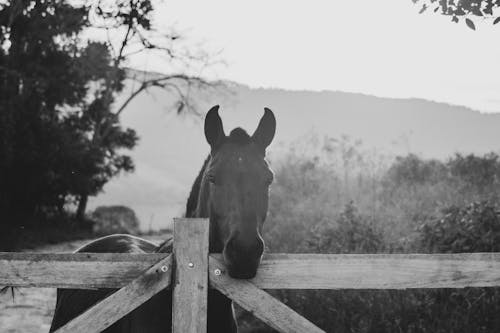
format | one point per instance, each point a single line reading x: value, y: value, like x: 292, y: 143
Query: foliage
x: 60, y: 135
x: 473, y: 228
x: 486, y: 9
x: 477, y: 174
x: 419, y: 189
x: 114, y: 219
x: 56, y: 230
x: 129, y: 30
x: 351, y: 233
x: 48, y: 152
x: 420, y: 206
x: 412, y: 170
x: 316, y: 180
x: 39, y: 73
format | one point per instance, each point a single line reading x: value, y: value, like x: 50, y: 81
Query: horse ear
x: 214, y: 132
x: 264, y: 133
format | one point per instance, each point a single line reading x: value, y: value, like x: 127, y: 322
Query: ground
x: 31, y: 309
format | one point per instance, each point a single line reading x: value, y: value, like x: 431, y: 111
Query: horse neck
x: 203, y: 201
x: 203, y: 211
x: 192, y: 202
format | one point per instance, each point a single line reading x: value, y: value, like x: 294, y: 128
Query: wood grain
x: 277, y: 271
x: 73, y: 270
x: 191, y: 276
x: 258, y: 302
x: 378, y: 271
x: 120, y: 303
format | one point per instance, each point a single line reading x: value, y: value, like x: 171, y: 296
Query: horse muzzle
x: 242, y: 258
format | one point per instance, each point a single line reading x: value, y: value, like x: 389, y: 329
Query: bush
x: 412, y: 170
x: 351, y: 233
x: 473, y: 228
x: 413, y: 205
x: 57, y: 229
x: 114, y: 219
x: 479, y: 175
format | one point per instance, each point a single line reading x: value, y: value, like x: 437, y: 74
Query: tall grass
x: 333, y: 196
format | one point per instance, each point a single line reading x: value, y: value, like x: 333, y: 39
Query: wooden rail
x: 277, y: 271
x: 76, y: 270
x: 378, y: 271
x: 140, y: 276
x: 109, y: 310
x: 261, y: 304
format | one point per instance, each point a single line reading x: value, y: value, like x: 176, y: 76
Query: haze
x: 382, y: 48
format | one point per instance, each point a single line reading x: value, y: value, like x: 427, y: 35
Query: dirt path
x: 31, y: 309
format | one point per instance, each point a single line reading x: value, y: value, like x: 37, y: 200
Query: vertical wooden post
x: 190, y: 282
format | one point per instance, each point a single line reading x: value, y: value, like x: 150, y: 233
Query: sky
x: 383, y: 48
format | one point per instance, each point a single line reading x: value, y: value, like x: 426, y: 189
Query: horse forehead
x: 236, y: 155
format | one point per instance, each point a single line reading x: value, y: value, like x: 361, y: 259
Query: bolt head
x: 190, y: 265
x: 164, y: 268
x: 217, y: 272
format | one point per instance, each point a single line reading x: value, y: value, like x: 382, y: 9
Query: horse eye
x: 211, y: 178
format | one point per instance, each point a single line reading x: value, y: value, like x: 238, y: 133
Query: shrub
x: 412, y: 170
x: 414, y: 205
x: 349, y: 233
x: 114, y: 219
x: 476, y: 174
x: 473, y: 228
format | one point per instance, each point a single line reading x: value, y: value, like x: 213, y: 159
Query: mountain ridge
x: 171, y: 148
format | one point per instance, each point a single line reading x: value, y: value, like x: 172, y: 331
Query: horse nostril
x: 244, y: 249
x: 242, y: 256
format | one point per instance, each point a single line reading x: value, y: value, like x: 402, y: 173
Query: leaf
x: 470, y: 24
x: 454, y: 19
x: 477, y: 12
x: 496, y: 20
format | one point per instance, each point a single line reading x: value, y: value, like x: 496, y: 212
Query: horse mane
x: 239, y: 136
x: 192, y: 201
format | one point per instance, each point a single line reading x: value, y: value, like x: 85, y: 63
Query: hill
x: 172, y: 148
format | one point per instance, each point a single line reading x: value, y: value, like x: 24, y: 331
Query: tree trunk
x: 82, y: 206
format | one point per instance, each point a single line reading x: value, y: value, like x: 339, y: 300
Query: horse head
x: 236, y: 184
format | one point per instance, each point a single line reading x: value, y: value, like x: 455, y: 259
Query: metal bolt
x: 190, y: 265
x: 217, y: 272
x: 164, y: 268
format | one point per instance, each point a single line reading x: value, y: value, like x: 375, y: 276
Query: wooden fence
x: 140, y: 276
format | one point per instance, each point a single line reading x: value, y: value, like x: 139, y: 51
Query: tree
x: 468, y: 9
x: 129, y: 32
x: 60, y: 134
x: 39, y: 74
x: 474, y: 227
x: 412, y: 170
x: 476, y: 174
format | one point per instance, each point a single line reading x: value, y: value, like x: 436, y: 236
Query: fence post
x: 190, y: 282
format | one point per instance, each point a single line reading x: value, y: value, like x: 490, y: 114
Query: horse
x: 232, y: 191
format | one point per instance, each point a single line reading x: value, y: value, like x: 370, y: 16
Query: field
x: 333, y: 196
